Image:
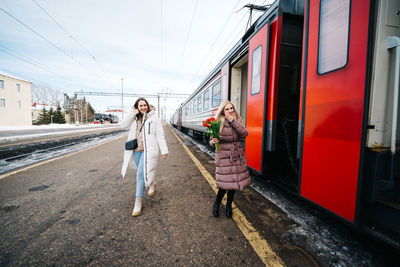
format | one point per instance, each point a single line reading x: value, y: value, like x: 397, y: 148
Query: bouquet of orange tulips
x: 213, y: 129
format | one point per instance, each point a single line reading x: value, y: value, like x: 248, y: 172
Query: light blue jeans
x: 138, y: 158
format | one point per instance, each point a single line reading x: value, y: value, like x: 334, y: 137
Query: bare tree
x: 44, y: 94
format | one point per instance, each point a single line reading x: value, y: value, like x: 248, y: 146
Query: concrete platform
x: 76, y: 210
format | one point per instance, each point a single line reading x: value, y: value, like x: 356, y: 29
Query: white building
x: 15, y: 101
x: 37, y: 109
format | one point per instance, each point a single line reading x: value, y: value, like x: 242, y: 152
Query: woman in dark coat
x: 231, y: 166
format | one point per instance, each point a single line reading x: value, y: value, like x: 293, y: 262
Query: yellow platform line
x: 259, y: 244
x: 50, y: 160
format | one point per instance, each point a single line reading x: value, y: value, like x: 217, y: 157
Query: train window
x: 19, y: 104
x: 206, y: 103
x: 223, y: 86
x: 334, y: 28
x: 18, y: 88
x: 2, y: 103
x: 194, y: 106
x: 216, y: 97
x: 256, y: 71
x: 200, y: 103
x: 1, y: 84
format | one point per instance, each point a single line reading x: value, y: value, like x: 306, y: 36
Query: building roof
x: 114, y: 110
x: 2, y: 73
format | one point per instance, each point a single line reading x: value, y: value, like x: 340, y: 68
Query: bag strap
x: 142, y: 125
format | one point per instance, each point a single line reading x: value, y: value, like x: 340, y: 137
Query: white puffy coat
x: 153, y: 138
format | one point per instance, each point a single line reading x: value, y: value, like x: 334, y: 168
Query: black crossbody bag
x: 132, y: 144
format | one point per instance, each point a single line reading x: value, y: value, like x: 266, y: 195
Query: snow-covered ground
x: 40, y: 155
x: 54, y: 126
x: 19, y: 133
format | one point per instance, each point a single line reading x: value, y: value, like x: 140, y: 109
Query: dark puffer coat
x: 231, y: 164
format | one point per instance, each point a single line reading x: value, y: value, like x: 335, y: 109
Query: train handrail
x: 394, y: 42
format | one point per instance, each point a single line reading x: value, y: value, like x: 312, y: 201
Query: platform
x: 76, y: 210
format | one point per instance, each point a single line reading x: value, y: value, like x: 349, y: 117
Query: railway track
x: 19, y: 155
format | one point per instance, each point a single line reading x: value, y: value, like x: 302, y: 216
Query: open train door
x: 255, y: 118
x: 334, y: 75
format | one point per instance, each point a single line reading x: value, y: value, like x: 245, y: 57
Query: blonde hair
x: 220, y: 114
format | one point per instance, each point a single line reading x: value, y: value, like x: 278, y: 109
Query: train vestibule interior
x: 281, y: 162
x: 238, y: 92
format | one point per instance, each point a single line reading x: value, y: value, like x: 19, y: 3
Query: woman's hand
x: 214, y: 140
x: 229, y: 117
x: 164, y: 156
x: 135, y: 111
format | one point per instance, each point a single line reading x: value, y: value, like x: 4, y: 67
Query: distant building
x: 15, y: 101
x: 37, y: 109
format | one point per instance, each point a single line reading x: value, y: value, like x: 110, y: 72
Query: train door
x: 179, y: 123
x: 334, y: 69
x: 380, y: 207
x: 255, y: 123
x: 239, y: 82
x: 282, y: 99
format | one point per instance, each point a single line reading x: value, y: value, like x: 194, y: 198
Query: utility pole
x: 122, y: 97
x: 158, y: 107
x: 80, y: 109
x: 76, y: 110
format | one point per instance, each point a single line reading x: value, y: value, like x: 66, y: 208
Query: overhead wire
x: 12, y: 53
x: 23, y: 76
x: 225, y: 49
x: 187, y: 38
x: 72, y: 37
x: 48, y: 41
x: 217, y: 37
x: 229, y: 45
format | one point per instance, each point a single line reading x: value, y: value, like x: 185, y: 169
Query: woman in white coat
x: 146, y: 127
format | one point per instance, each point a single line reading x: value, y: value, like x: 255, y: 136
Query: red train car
x: 317, y: 83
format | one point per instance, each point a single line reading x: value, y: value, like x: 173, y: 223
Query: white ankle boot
x: 138, y: 207
x: 152, y: 189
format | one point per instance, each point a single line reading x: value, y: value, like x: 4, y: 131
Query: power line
x: 12, y: 53
x: 225, y: 49
x: 157, y: 95
x: 73, y: 38
x: 28, y: 78
x: 187, y: 38
x: 228, y: 43
x: 48, y: 41
x: 217, y: 38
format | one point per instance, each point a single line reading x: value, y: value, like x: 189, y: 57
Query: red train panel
x: 334, y: 107
x: 255, y: 98
x: 273, y: 81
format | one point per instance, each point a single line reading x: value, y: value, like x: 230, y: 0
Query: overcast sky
x: 89, y: 45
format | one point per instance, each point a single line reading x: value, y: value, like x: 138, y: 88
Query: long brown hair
x: 139, y: 116
x: 220, y: 114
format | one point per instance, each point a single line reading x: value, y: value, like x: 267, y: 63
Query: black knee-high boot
x: 217, y: 202
x: 228, y: 211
